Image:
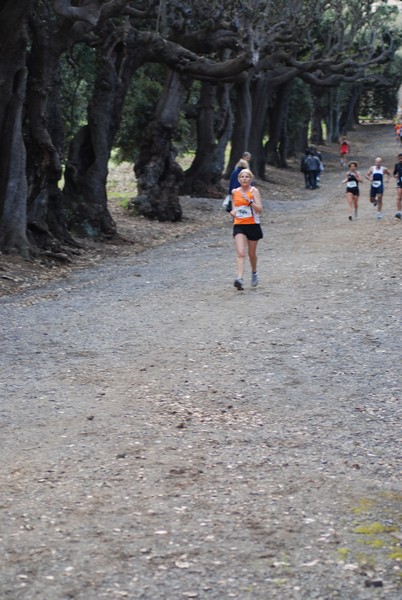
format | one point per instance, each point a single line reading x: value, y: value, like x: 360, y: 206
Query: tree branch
x: 184, y: 61
x: 89, y: 12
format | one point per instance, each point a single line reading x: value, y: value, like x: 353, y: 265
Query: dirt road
x: 164, y: 436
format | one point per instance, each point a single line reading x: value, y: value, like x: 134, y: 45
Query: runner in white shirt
x: 376, y: 175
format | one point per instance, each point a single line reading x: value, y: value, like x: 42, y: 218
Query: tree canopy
x: 83, y: 78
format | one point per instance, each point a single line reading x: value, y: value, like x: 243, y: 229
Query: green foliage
x: 77, y: 76
x: 300, y: 104
x: 125, y: 201
x: 139, y: 109
x: 300, y: 109
x: 381, y: 99
x: 141, y: 100
x: 186, y: 134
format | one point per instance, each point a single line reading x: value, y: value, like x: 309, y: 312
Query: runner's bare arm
x: 257, y: 204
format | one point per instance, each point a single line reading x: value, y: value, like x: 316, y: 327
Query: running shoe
x: 375, y: 202
x: 350, y: 217
x: 398, y: 215
x: 379, y: 216
x: 238, y: 283
x: 254, y: 279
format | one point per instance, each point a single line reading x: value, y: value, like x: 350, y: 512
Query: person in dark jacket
x: 303, y: 167
x: 315, y: 152
x: 234, y: 181
x: 311, y: 167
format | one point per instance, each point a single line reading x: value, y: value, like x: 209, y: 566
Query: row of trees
x: 77, y: 75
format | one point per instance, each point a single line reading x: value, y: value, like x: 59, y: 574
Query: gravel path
x: 165, y: 436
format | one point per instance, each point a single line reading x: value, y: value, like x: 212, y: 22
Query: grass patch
x: 373, y: 528
x: 343, y: 553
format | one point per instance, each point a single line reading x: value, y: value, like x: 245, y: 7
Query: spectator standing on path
x: 398, y: 176
x: 344, y: 150
x: 317, y: 153
x: 353, y: 178
x: 234, y: 181
x: 247, y: 207
x: 312, y: 165
x: 376, y: 175
x: 303, y: 167
x: 247, y: 157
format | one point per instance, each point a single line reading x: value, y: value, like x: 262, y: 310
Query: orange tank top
x: 245, y: 214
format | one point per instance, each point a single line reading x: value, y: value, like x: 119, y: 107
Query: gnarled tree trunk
x: 13, y: 183
x: 242, y: 124
x: 86, y: 171
x: 44, y: 139
x: 332, y: 116
x: 225, y: 128
x: 158, y: 174
x: 349, y: 115
x: 317, y: 133
x: 261, y: 98
x: 277, y: 143
x: 202, y: 179
x: 52, y: 35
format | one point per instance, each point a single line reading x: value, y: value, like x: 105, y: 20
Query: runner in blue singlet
x: 376, y: 175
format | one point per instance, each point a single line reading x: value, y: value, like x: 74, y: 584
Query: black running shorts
x: 252, y: 232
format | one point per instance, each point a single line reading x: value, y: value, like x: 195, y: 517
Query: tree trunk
x: 86, y: 170
x: 45, y: 141
x: 84, y: 176
x: 298, y: 142
x: 317, y: 134
x: 261, y: 97
x: 13, y: 236
x: 54, y: 28
x: 158, y: 174
x: 225, y: 129
x: 13, y: 183
x: 331, y: 118
x: 349, y: 115
x: 51, y: 37
x: 276, y: 146
x: 202, y: 179
x: 283, y: 139
x: 330, y: 114
x: 241, y: 126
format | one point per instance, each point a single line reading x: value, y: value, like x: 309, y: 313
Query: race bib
x: 376, y: 183
x: 243, y: 212
x: 352, y: 184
